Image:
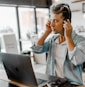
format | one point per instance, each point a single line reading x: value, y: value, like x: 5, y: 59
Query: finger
x: 48, y: 20
x: 67, y: 24
x: 48, y: 23
x: 68, y: 21
x: 64, y: 26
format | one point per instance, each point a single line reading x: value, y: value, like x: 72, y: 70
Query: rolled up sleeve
x: 37, y: 49
x: 41, y: 49
x: 77, y: 56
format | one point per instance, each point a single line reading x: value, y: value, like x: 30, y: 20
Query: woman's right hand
x: 48, y: 27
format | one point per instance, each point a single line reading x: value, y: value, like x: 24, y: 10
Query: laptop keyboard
x: 40, y: 81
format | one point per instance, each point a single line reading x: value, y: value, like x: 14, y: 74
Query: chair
x: 10, y: 43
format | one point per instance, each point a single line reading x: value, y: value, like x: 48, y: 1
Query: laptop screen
x: 19, y: 68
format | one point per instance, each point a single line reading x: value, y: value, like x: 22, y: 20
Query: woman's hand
x: 48, y: 27
x: 67, y: 29
x: 68, y: 35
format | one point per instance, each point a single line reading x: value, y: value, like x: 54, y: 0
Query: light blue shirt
x: 73, y: 62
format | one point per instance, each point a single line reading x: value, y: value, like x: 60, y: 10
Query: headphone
x: 65, y: 6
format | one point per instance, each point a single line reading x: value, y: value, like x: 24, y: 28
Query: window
x: 27, y: 26
x: 27, y: 23
x: 8, y: 21
x: 42, y: 17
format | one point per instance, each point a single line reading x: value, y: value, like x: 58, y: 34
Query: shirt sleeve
x: 77, y: 56
x: 41, y: 49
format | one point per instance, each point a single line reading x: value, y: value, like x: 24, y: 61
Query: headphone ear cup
x: 67, y: 12
x: 65, y: 19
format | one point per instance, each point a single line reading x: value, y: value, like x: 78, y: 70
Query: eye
x: 55, y: 20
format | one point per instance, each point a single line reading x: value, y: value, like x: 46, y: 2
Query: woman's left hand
x: 67, y: 29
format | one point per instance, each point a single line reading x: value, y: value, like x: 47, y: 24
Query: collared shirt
x: 72, y: 67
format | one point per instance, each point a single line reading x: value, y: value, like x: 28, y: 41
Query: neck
x: 62, y: 33
x: 62, y: 37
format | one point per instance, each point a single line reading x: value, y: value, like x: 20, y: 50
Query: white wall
x: 78, y: 19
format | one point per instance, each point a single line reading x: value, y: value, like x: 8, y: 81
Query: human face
x: 57, y: 21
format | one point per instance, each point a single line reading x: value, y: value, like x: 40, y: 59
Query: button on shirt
x: 61, y: 50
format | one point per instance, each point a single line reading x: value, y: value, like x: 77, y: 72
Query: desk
x: 5, y: 83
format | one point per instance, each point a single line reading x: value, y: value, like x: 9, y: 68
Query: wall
x: 78, y: 19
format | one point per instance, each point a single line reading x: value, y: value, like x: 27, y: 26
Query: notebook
x: 19, y: 68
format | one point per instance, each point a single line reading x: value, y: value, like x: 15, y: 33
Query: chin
x: 54, y: 32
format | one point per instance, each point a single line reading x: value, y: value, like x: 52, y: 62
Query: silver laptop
x: 19, y: 68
